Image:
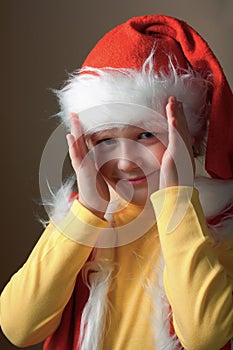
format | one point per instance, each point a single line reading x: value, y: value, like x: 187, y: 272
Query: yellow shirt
x: 198, y: 278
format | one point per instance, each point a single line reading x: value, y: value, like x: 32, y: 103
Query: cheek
x: 160, y: 152
x: 157, y: 151
x: 108, y: 171
x: 104, y: 155
x: 101, y: 164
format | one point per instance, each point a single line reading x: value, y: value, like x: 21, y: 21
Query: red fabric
x: 73, y: 196
x: 129, y: 44
x: 218, y: 219
x: 227, y: 346
x: 67, y: 334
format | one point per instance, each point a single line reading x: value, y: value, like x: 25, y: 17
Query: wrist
x: 99, y: 213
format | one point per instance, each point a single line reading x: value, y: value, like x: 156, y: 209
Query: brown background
x: 40, y: 42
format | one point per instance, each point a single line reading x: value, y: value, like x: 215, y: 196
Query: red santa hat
x: 172, y: 45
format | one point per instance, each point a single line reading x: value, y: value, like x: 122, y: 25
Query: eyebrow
x: 103, y: 134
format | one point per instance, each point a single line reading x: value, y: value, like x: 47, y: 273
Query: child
x: 137, y: 261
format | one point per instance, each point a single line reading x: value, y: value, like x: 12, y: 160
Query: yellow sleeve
x: 197, y: 285
x: 32, y: 303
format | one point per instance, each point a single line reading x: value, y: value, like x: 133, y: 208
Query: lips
x: 138, y: 180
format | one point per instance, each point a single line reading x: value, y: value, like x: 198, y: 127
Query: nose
x: 127, y: 165
x: 129, y: 156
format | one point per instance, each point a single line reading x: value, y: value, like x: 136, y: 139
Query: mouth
x: 140, y: 180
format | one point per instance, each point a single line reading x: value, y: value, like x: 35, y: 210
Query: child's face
x: 129, y: 159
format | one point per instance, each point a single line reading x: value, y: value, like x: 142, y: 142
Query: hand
x: 93, y: 190
x: 178, y: 166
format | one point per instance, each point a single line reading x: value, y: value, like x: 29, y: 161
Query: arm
x: 198, y: 287
x: 33, y: 301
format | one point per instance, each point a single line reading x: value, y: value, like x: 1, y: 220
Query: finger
x: 76, y: 127
x: 77, y: 132
x: 179, y: 135
x: 172, y: 121
x: 69, y: 138
x: 182, y: 125
x: 74, y: 153
x: 176, y: 120
x: 176, y: 109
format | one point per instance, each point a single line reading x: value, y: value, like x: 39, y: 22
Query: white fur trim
x: 60, y: 202
x: 215, y: 194
x: 90, y: 87
x: 94, y: 324
x: 116, y: 114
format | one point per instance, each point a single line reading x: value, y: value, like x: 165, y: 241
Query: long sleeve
x: 197, y: 285
x: 33, y: 301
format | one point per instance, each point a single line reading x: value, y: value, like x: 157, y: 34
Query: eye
x: 107, y: 141
x: 147, y: 135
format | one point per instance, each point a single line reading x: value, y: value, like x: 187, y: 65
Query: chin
x: 140, y: 197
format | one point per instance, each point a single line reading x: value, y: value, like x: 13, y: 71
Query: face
x: 129, y: 159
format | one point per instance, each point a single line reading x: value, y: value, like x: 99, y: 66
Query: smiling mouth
x: 140, y: 180
x: 137, y: 181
